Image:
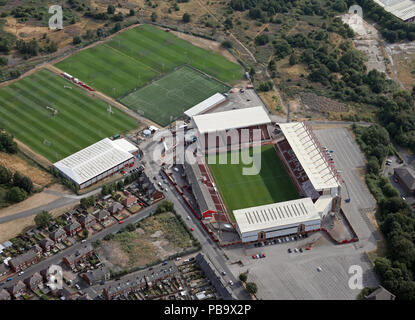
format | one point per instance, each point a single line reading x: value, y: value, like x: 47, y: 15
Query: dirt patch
x: 158, y: 237
x: 15, y: 163
x: 11, y: 229
x: 206, y: 44
x: 37, y: 200
x: 321, y: 104
x: 33, y: 155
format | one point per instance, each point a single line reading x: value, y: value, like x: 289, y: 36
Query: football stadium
x: 295, y: 187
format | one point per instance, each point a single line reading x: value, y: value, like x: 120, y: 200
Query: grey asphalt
x: 61, y: 202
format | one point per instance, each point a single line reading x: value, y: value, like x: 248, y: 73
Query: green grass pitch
x: 271, y: 185
x: 172, y: 95
x: 133, y: 58
x: 80, y: 121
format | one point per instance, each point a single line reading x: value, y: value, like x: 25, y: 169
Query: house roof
x: 233, y: 119
x: 72, y: 226
x: 87, y: 218
x: 46, y: 242
x: 57, y: 233
x: 79, y: 253
x: 96, y: 274
x: 34, y: 279
x: 274, y: 215
x: 380, y: 294
x: 17, y: 287
x: 115, y: 207
x: 18, y: 260
x: 407, y: 175
x: 4, y: 295
x: 140, y: 277
x: 102, y: 214
x: 98, y: 158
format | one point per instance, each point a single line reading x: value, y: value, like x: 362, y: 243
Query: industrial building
x: 402, y: 9
x: 96, y: 162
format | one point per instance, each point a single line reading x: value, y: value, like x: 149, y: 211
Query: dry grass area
x: 15, y: 163
x: 158, y: 237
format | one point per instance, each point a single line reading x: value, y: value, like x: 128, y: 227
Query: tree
x: 252, y: 287
x: 5, y: 175
x: 132, y: 12
x: 186, y: 17
x: 42, y: 219
x: 154, y: 17
x: 76, y: 40
x: 243, y: 277
x: 110, y: 9
x: 85, y: 233
x: 227, y: 44
x: 293, y: 59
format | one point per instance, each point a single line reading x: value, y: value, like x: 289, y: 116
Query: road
x: 56, y: 259
x: 61, y: 202
x: 209, y: 248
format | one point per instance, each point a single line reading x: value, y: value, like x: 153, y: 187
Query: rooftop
x: 311, y: 157
x: 233, y: 119
x: 95, y: 159
x: 403, y: 9
x: 275, y: 215
x: 205, y: 105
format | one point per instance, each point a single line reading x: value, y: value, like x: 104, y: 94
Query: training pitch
x: 27, y: 107
x: 133, y: 58
x: 239, y: 191
x: 173, y: 94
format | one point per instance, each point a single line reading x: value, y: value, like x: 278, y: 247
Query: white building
x: 96, y: 162
x: 277, y: 219
x: 206, y: 105
x: 402, y: 9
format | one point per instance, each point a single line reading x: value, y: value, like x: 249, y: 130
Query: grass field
x: 172, y: 95
x: 81, y: 120
x: 134, y: 57
x: 271, y: 185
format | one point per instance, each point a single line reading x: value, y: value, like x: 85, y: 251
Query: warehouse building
x: 206, y: 105
x: 406, y: 177
x: 402, y: 9
x: 277, y: 219
x: 96, y: 162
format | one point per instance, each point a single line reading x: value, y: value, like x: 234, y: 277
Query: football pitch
x: 26, y: 111
x: 239, y: 191
x: 173, y: 94
x: 133, y: 58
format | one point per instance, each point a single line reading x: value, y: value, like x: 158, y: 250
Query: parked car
x: 230, y: 282
x: 20, y: 273
x: 121, y: 221
x: 9, y: 279
x: 253, y: 257
x: 289, y: 250
x: 301, y: 249
x: 192, y: 229
x: 223, y: 273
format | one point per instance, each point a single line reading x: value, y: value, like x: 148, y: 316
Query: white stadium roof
x: 233, y: 119
x: 309, y: 155
x: 276, y: 215
x: 205, y: 105
x: 95, y: 159
x: 403, y: 9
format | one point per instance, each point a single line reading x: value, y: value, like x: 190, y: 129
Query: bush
x: 243, y: 277
x: 42, y: 219
x: 76, y: 40
x: 186, y: 17
x: 227, y: 44
x: 252, y: 287
x: 16, y: 194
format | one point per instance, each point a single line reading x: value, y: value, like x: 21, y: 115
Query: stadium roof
x: 403, y: 9
x: 276, y: 215
x: 233, y: 119
x: 205, y: 105
x: 310, y: 156
x: 95, y: 159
